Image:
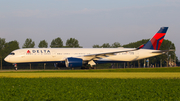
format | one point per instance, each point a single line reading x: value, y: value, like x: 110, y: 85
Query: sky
x: 89, y: 21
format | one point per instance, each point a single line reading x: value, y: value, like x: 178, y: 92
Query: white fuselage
x: 30, y: 55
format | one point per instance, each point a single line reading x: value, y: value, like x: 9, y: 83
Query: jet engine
x: 73, y: 62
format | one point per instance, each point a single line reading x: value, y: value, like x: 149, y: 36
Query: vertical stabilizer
x: 156, y: 41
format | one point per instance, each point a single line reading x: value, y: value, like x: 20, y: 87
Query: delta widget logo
x: 38, y: 51
x: 28, y: 52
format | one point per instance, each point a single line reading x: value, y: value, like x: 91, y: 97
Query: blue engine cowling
x: 74, y: 62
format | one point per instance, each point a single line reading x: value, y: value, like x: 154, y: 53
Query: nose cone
x: 6, y: 59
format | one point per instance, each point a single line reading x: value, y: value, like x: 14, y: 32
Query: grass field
x: 91, y: 85
x: 88, y: 89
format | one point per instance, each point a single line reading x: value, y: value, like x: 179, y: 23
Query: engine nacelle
x: 74, y: 62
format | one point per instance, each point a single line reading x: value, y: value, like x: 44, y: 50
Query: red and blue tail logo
x: 156, y: 40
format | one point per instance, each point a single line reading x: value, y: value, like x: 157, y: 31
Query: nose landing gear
x: 15, y: 66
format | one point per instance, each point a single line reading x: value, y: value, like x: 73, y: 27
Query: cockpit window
x: 12, y: 54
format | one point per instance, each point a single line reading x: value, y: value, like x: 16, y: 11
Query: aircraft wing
x: 107, y: 54
x: 98, y: 56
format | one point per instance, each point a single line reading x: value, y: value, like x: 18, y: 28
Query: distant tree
x: 29, y: 43
x: 2, y: 43
x: 115, y: 45
x: 166, y: 45
x: 10, y: 46
x: 96, y: 46
x: 2, y: 47
x: 136, y: 44
x: 106, y: 45
x: 72, y: 42
x: 43, y: 44
x: 55, y: 43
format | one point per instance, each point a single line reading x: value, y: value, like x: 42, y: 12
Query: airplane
x: 79, y: 57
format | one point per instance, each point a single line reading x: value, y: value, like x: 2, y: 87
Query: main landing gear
x: 88, y: 67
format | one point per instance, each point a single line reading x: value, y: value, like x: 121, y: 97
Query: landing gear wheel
x: 15, y: 66
x: 83, y: 67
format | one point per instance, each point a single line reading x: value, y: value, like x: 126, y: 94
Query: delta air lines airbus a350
x: 79, y: 57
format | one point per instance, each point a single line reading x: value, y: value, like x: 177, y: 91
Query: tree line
x: 162, y: 60
x: 55, y: 43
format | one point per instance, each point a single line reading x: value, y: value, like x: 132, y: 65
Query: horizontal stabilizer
x: 163, y: 51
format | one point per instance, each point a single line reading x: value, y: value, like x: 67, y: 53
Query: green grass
x: 76, y: 89
x: 163, y: 69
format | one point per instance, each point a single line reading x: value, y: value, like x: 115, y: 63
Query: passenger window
x: 12, y: 54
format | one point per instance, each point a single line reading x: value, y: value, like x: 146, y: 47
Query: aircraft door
x: 22, y: 54
x: 136, y: 54
x: 53, y: 54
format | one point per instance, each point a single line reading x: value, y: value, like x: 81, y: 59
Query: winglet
x: 156, y: 40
